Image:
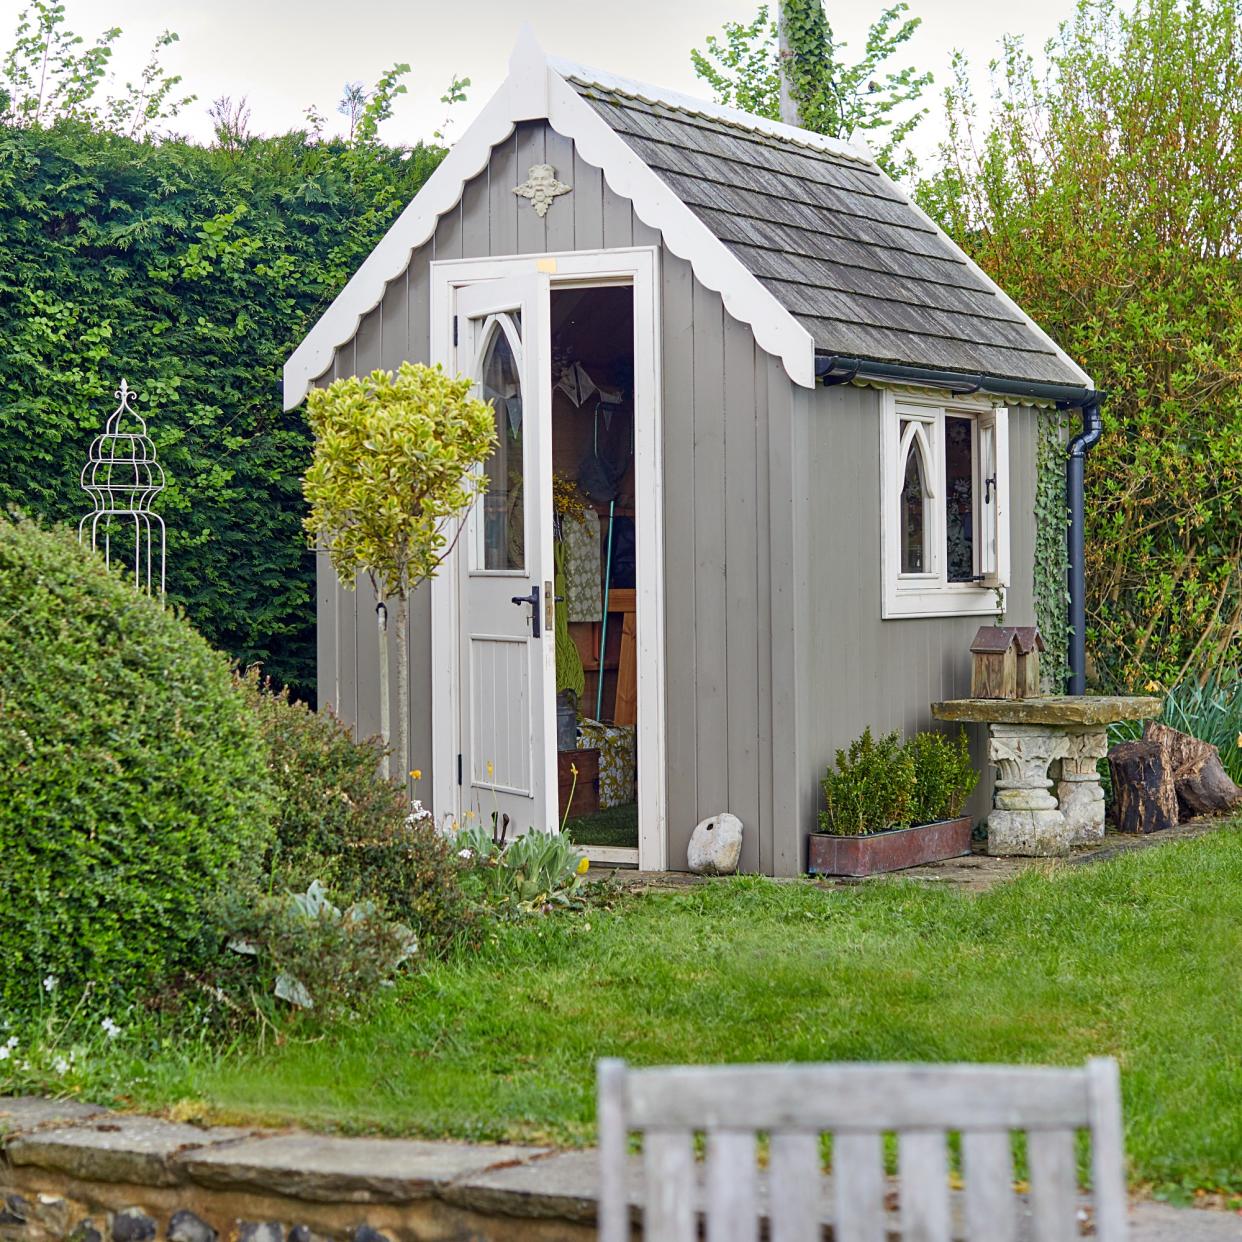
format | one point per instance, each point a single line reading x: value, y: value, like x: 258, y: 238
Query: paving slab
x: 346, y: 1170
x: 139, y: 1150
x: 19, y: 1114
x: 1160, y: 1222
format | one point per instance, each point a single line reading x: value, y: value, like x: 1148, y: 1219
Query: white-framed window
x: 944, y: 521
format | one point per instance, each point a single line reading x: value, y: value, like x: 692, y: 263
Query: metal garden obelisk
x: 122, y: 477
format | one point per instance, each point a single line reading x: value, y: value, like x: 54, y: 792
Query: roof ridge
x: 645, y: 92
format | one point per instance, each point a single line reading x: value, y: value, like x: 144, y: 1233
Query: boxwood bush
x: 134, y: 785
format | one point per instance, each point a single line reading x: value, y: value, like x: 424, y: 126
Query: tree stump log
x: 1202, y: 784
x: 1143, y: 791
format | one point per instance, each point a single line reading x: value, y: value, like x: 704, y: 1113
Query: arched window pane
x: 959, y: 497
x: 504, y: 524
x: 913, y: 515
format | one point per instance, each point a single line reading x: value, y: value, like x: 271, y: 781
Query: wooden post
x: 1143, y: 790
x: 784, y: 55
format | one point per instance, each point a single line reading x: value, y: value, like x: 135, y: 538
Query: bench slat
x: 732, y: 1209
x: 668, y: 1166
x: 839, y: 1098
x: 793, y: 1187
x: 924, y: 1168
x: 1054, y: 1185
x: 858, y: 1178
x: 987, y: 1170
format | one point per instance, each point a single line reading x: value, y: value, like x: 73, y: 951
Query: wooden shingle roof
x: 835, y: 241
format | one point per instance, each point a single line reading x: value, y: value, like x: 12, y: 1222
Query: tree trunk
x: 784, y: 54
x: 385, y: 712
x: 1203, y: 786
x: 1143, y: 792
x: 403, y: 686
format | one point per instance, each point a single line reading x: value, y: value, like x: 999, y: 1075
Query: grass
x: 616, y: 826
x: 1140, y: 958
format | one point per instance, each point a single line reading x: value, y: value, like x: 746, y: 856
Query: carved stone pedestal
x: 1041, y: 745
x: 1026, y: 819
x: 1079, y: 792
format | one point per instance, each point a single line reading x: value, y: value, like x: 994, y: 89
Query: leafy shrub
x: 943, y: 776
x: 529, y: 873
x: 339, y: 821
x: 310, y: 952
x: 881, y: 785
x: 872, y: 788
x: 133, y: 776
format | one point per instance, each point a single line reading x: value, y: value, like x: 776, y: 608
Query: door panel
x: 507, y: 729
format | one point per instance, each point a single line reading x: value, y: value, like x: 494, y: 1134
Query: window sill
x: 967, y: 601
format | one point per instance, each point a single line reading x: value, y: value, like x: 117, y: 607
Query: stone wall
x: 74, y: 1172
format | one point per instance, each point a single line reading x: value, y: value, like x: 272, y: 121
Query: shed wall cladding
x: 853, y: 669
x: 720, y: 504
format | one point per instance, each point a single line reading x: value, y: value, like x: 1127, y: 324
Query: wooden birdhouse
x: 1005, y: 662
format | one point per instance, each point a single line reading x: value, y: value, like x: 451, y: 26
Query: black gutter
x: 834, y: 369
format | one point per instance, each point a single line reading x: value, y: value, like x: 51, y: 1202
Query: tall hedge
x: 134, y: 783
x: 193, y: 272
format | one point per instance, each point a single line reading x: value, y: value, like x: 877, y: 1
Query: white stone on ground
x: 715, y: 845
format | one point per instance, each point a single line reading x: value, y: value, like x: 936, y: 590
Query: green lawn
x: 615, y: 826
x: 1140, y: 958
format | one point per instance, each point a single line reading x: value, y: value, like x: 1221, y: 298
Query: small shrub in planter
x: 888, y: 805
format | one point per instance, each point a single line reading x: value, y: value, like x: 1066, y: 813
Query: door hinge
x: 459, y: 767
x: 454, y: 329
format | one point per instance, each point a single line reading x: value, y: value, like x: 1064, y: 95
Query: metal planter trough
x: 877, y: 852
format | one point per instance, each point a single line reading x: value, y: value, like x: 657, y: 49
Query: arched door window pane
x: 503, y: 534
x: 914, y: 513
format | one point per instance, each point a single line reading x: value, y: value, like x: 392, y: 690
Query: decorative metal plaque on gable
x: 541, y: 187
x: 122, y: 477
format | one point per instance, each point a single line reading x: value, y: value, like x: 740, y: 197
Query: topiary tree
x: 134, y: 784
x: 394, y: 472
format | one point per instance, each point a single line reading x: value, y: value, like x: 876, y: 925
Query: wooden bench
x: 858, y: 1105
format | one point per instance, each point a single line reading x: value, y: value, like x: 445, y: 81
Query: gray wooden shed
x: 814, y: 414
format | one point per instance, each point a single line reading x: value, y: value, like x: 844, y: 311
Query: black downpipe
x: 1075, y: 465
x: 832, y: 369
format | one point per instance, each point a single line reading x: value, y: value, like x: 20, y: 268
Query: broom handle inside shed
x: 603, y: 629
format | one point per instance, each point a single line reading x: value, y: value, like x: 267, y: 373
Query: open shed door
x: 506, y: 654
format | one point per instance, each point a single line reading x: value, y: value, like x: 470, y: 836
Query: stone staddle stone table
x: 1039, y: 744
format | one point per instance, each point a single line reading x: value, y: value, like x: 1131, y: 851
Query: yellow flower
x: 584, y: 863
x: 1240, y: 741
x: 1152, y: 687
x: 490, y: 769
x: 573, y: 767
x: 416, y: 773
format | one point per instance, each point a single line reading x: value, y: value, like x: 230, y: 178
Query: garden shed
x: 770, y: 434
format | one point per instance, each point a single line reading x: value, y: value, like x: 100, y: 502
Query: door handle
x: 533, y: 600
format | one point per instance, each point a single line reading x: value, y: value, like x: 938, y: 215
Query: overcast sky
x: 284, y: 55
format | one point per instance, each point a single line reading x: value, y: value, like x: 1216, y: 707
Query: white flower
x: 49, y: 983
x: 60, y: 1065
x: 466, y: 854
x: 6, y: 1049
x: 110, y: 1028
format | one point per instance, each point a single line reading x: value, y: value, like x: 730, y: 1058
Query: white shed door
x: 506, y: 657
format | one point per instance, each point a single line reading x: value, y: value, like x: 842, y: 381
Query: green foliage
x: 1051, y: 558
x: 1103, y: 192
x: 884, y: 784
x: 194, y: 273
x: 1211, y: 711
x: 311, y: 953
x: 833, y: 96
x: 871, y: 790
x: 394, y: 471
x: 531, y: 873
x: 339, y: 821
x: 944, y: 775
x: 133, y: 781
x: 44, y: 78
